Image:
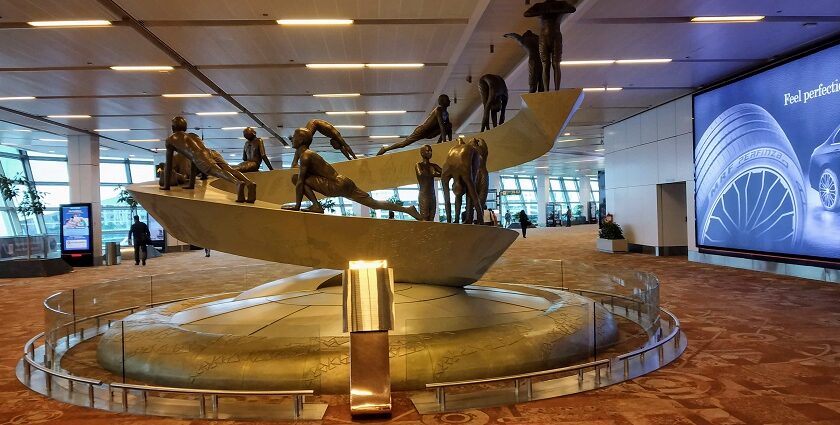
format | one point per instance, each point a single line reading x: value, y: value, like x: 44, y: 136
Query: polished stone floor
x: 763, y: 349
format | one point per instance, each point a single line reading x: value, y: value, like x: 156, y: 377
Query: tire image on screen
x: 750, y: 188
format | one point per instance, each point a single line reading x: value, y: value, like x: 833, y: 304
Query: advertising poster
x: 75, y: 223
x: 767, y: 160
x: 156, y: 230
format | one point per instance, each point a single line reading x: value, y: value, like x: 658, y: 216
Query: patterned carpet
x: 763, y: 349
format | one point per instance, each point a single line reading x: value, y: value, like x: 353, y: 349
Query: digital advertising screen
x: 156, y: 230
x: 75, y: 227
x: 767, y: 160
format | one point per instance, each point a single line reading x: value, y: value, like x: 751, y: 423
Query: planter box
x: 36, y: 267
x: 612, y: 245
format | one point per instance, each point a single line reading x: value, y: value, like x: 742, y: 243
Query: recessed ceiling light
x: 635, y: 61
x: 51, y: 151
x: 385, y: 112
x: 567, y: 134
x: 345, y: 112
x: 104, y: 148
x: 233, y: 155
x: 142, y: 68
x: 19, y: 130
x: 384, y: 146
x: 395, y: 65
x: 109, y: 130
x: 233, y: 128
x: 187, y: 95
x: 86, y: 23
x: 53, y: 140
x: 591, y: 89
x: 589, y: 62
x: 337, y: 95
x: 131, y: 156
x: 349, y: 126
x: 599, y: 150
x: 18, y: 98
x: 216, y: 113
x: 725, y: 19
x: 68, y: 116
x: 384, y: 137
x: 335, y: 65
x: 360, y: 154
x: 569, y: 140
x: 315, y: 21
x: 143, y: 140
x: 287, y: 147
x: 543, y: 168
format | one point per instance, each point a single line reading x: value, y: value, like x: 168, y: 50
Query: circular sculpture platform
x: 288, y: 334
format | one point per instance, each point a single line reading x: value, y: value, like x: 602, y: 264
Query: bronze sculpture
x: 180, y: 170
x: 327, y: 129
x: 193, y: 149
x: 494, y: 97
x: 482, y: 176
x: 530, y: 42
x: 551, y: 40
x: 462, y: 163
x: 426, y: 172
x: 253, y: 153
x: 436, y: 124
x: 316, y: 175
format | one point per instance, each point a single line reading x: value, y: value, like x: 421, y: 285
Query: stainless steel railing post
x: 125, y: 399
x: 530, y: 388
x: 91, y: 400
x: 202, y: 407
x: 298, y: 405
x: 214, y: 404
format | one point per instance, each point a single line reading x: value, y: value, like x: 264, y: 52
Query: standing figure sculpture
x: 494, y: 97
x: 327, y: 129
x: 482, y: 177
x: 193, y: 148
x: 426, y: 172
x: 462, y: 163
x: 551, y: 40
x: 253, y: 153
x: 530, y: 42
x: 436, y: 125
x: 316, y: 175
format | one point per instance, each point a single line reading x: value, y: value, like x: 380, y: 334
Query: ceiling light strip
x: 186, y: 95
x: 17, y: 98
x: 142, y: 68
x: 69, y: 24
x: 726, y: 19
x: 309, y: 22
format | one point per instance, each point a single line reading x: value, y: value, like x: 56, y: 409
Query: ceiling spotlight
x: 315, y: 21
x: 726, y: 19
x: 68, y: 116
x: 17, y: 98
x: 337, y: 95
x: 159, y: 68
x: 215, y: 113
x: 187, y: 95
x: 66, y: 24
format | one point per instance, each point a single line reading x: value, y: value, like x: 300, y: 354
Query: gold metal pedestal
x: 370, y: 374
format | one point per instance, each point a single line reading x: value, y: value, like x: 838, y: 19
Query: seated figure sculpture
x: 325, y: 128
x: 253, y: 153
x: 494, y: 97
x: 316, y: 175
x: 193, y: 149
x: 462, y: 164
x: 426, y: 172
x: 437, y: 124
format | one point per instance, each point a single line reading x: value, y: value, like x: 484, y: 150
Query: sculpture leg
x: 252, y: 187
x: 473, y: 194
x: 545, y: 58
x: 556, y: 57
x: 533, y: 66
x: 167, y: 168
x: 214, y: 170
x: 458, y: 190
x: 504, y: 101
x: 365, y: 199
x: 191, y: 178
x: 444, y: 182
x: 415, y: 136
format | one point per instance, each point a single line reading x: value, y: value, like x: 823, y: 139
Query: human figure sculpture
x: 327, y: 129
x: 530, y: 42
x: 180, y: 170
x: 253, y: 153
x: 436, y: 125
x: 316, y: 175
x: 482, y: 176
x: 462, y: 163
x: 193, y: 149
x: 426, y: 172
x: 494, y: 97
x: 551, y: 40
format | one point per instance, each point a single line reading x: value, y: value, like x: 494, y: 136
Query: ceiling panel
x: 273, y: 9
x: 124, y: 106
x: 97, y: 82
x: 262, y: 104
x: 652, y: 8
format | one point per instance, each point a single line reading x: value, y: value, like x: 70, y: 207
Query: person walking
x: 206, y: 252
x: 568, y: 217
x: 507, y: 219
x: 140, y: 234
x: 524, y: 222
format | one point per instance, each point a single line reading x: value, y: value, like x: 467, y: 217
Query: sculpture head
x: 443, y: 100
x: 179, y: 123
x: 426, y: 152
x: 249, y: 134
x: 301, y: 137
x: 335, y: 144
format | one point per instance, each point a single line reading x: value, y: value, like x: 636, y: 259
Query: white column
x: 585, y: 194
x: 83, y: 168
x: 542, y: 197
x: 360, y: 210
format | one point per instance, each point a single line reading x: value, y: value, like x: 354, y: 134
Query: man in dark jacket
x: 141, y: 236
x: 524, y: 222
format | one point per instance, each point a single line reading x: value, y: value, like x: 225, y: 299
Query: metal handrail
x: 27, y: 350
x: 209, y: 391
x: 573, y: 368
x: 675, y: 329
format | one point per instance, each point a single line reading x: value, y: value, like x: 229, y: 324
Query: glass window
x: 382, y: 195
x: 53, y: 222
x: 49, y: 171
x: 526, y: 183
x: 108, y: 196
x: 509, y: 182
x: 555, y: 184
x: 6, y: 227
x: 594, y: 184
x: 112, y: 173
x: 574, y: 197
x: 55, y: 195
x: 142, y: 172
x: 569, y: 185
x: 11, y: 166
x: 9, y: 149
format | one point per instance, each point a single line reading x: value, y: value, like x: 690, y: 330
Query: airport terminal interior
x: 420, y: 211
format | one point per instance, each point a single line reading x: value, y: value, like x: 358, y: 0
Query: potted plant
x: 610, y: 236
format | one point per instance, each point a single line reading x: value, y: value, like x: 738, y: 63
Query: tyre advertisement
x: 767, y: 160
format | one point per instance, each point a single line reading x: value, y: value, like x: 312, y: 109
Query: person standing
x: 568, y: 216
x: 141, y: 235
x: 206, y: 252
x: 524, y: 222
x: 507, y: 219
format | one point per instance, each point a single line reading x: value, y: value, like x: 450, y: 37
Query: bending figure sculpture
x: 193, y: 148
x: 426, y: 172
x: 551, y: 40
x: 316, y: 175
x: 253, y: 153
x: 494, y: 97
x: 530, y: 42
x: 327, y: 129
x: 180, y: 170
x: 436, y: 124
x: 461, y: 166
